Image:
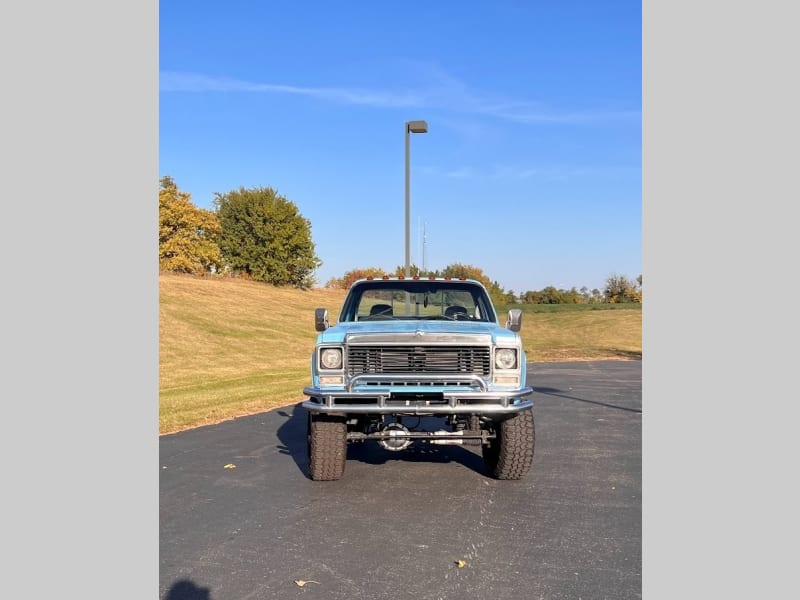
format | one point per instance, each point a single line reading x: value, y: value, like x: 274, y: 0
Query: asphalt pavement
x: 240, y: 520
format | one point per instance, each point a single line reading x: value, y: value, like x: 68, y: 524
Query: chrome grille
x: 418, y: 359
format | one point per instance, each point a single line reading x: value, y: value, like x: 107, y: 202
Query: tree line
x: 618, y: 288
x: 258, y: 234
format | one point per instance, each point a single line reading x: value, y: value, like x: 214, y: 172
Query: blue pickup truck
x: 411, y: 351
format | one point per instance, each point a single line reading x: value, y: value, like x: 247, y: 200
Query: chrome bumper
x: 383, y: 400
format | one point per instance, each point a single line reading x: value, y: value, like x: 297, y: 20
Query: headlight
x: 505, y: 358
x: 331, y: 358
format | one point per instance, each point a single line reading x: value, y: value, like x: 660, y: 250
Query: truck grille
x: 418, y: 359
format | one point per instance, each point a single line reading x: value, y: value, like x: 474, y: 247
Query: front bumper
x: 393, y: 394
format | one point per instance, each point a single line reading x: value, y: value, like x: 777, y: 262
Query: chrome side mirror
x: 514, y: 322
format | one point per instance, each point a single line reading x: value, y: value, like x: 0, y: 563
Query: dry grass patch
x: 584, y: 335
x: 231, y: 347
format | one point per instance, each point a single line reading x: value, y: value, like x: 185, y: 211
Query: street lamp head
x: 417, y: 126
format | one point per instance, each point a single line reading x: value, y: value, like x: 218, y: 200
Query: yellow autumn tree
x: 187, y: 235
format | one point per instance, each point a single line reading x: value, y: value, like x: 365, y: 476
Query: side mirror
x: 321, y: 319
x: 514, y: 322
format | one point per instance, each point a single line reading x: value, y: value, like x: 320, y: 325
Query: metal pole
x: 408, y: 203
x: 411, y: 127
x: 424, y: 244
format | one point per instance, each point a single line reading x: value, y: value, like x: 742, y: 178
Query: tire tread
x: 511, y: 453
x: 327, y: 447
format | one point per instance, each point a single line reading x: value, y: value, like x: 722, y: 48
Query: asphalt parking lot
x: 240, y: 520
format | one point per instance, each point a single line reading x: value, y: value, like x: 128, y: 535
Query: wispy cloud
x: 190, y: 82
x: 565, y: 172
x: 533, y: 115
x: 442, y: 91
x: 460, y: 173
x: 540, y: 173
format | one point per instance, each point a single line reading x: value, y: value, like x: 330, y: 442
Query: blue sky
x: 531, y: 167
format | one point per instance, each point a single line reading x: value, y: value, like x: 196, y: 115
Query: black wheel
x: 510, y: 454
x: 327, y: 447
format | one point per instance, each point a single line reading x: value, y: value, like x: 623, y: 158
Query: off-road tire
x: 327, y: 447
x: 510, y: 454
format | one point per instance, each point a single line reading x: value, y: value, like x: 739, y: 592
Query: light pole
x: 411, y: 127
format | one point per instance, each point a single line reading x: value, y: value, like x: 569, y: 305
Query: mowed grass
x: 229, y: 348
x: 580, y: 332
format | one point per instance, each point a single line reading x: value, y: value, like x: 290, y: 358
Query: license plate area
x: 412, y: 398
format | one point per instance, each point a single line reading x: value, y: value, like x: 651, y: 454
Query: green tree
x: 187, y: 235
x: 621, y: 289
x: 571, y: 296
x: 265, y: 237
x: 551, y: 295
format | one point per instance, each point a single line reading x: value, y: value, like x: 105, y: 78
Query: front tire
x: 327, y: 447
x: 510, y: 454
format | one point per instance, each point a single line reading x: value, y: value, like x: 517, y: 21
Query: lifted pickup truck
x: 408, y: 348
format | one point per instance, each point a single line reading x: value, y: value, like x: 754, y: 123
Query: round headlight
x: 505, y: 358
x: 331, y: 358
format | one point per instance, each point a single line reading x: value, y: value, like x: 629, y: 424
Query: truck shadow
x: 292, y: 435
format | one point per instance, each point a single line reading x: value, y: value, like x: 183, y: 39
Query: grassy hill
x: 229, y: 347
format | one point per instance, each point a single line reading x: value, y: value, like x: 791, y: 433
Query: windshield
x: 410, y: 299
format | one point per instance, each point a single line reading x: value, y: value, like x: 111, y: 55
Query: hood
x: 338, y: 333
